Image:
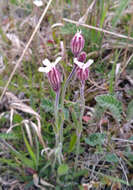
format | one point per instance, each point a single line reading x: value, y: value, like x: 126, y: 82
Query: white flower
x: 48, y: 65
x: 82, y: 65
x: 38, y: 3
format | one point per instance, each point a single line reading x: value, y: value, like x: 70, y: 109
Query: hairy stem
x: 62, y: 101
x: 56, y: 109
x: 80, y: 127
x: 66, y: 84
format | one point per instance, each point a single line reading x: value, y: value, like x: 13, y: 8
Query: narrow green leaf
x: 32, y: 154
x: 8, y: 136
x: 72, y: 142
x: 122, y: 6
x: 27, y: 162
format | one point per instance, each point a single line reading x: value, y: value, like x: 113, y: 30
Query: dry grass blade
x: 24, y: 108
x: 43, y: 182
x: 15, y: 103
x: 38, y: 131
x: 36, y: 182
x: 2, y: 66
x: 126, y: 64
x: 98, y: 29
x: 85, y: 16
x: 3, y: 182
x: 26, y: 48
x: 14, y: 39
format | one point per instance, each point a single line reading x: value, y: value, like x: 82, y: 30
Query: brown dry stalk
x: 98, y: 29
x: 26, y: 48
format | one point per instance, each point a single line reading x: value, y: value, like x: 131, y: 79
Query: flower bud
x: 54, y: 77
x: 77, y: 43
x: 82, y: 57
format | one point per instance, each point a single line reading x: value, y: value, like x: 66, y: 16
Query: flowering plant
x: 82, y: 71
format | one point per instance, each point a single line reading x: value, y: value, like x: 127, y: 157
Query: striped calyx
x: 53, y: 74
x: 77, y: 43
x: 82, y: 70
x: 54, y: 77
x: 82, y: 74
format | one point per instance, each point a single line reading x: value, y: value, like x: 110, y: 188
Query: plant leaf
x: 111, y: 158
x: 63, y: 169
x: 32, y: 154
x: 72, y: 142
x: 95, y: 139
x: 110, y: 102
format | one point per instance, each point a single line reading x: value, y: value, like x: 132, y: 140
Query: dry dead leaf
x: 14, y: 39
x: 16, y: 103
x: 36, y: 181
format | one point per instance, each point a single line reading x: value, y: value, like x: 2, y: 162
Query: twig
x: 98, y: 29
x: 123, y: 140
x: 85, y: 16
x: 123, y: 169
x: 126, y: 64
x: 26, y: 47
x: 127, y: 45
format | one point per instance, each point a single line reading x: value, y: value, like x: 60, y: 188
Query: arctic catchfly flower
x: 52, y: 72
x: 82, y: 70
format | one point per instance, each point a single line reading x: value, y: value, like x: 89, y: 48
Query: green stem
x: 63, y: 99
x: 59, y: 124
x: 58, y: 148
x: 80, y: 127
x: 65, y: 86
x: 56, y: 109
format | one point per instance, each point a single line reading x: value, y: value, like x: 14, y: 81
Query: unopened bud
x: 77, y: 43
x: 82, y: 57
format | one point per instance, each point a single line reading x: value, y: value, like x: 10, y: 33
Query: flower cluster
x: 77, y: 44
x: 82, y: 69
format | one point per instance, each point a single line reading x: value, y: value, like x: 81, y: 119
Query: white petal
x: 80, y: 64
x: 46, y: 62
x: 38, y: 3
x: 57, y: 60
x: 44, y: 69
x: 88, y: 64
